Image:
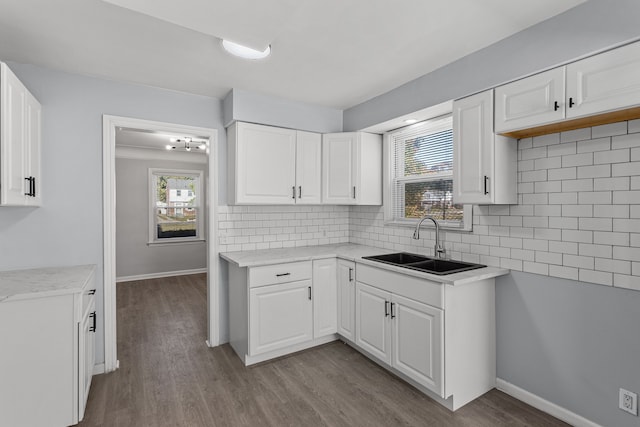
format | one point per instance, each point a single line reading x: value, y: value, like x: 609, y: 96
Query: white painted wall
x: 67, y: 229
x: 134, y: 256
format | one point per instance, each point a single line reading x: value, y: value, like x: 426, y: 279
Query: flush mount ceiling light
x: 187, y: 144
x: 410, y: 121
x: 244, y: 51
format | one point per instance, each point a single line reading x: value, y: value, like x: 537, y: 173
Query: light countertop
x: 351, y: 252
x: 38, y: 282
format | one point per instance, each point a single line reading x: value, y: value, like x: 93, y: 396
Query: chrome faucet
x: 438, y: 250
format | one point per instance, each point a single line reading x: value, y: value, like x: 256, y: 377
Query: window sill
x: 426, y: 225
x: 177, y: 242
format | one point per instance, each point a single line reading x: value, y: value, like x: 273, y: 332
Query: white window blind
x: 422, y: 173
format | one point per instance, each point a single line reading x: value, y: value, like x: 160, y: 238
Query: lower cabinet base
x: 451, y: 403
x: 251, y: 360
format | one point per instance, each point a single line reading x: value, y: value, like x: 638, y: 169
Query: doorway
x: 186, y: 223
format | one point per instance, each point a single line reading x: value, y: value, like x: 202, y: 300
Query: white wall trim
x: 544, y: 405
x: 137, y: 153
x: 160, y: 275
x: 109, y: 125
x: 98, y: 369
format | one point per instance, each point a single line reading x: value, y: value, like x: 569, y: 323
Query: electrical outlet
x: 628, y: 401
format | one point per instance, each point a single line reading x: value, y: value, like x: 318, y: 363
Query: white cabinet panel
x: 265, y: 171
x: 86, y: 359
x: 605, y: 82
x: 308, y: 168
x: 325, y: 297
x: 280, y: 316
x: 530, y: 102
x: 373, y: 332
x: 418, y: 349
x: 33, y: 140
x: 346, y: 298
x: 352, y: 168
x: 484, y: 163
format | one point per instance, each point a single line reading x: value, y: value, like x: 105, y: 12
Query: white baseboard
x: 98, y: 369
x: 160, y: 275
x: 544, y: 405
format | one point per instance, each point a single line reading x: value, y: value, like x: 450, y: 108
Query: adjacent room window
x: 421, y: 168
x: 176, y: 205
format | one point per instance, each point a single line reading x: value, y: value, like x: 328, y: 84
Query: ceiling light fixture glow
x: 244, y: 51
x: 410, y: 121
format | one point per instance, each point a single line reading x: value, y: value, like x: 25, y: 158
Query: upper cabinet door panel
x: 309, y: 168
x: 266, y: 159
x: 14, y: 153
x: 339, y: 152
x: 530, y: 102
x: 605, y: 82
x: 473, y: 148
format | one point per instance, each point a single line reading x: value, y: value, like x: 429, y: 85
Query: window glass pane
x: 431, y: 198
x: 429, y: 154
x: 176, y: 206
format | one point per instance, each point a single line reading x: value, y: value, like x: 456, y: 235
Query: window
x: 176, y: 201
x: 421, y: 160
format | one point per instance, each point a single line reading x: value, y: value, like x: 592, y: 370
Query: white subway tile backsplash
x: 580, y: 236
x: 575, y: 135
x: 535, y: 267
x: 563, y: 198
x: 562, y: 173
x: 594, y: 197
x: 614, y: 184
x: 613, y: 265
x: 598, y: 171
x: 611, y: 156
x: 544, y: 140
x: 626, y: 197
x: 600, y: 144
x: 634, y: 126
x: 626, y: 225
x: 595, y: 224
x: 598, y: 251
x: 583, y: 262
x: 627, y: 282
x: 611, y: 238
x: 626, y: 253
x: 577, y: 185
x: 612, y: 129
x: 635, y: 154
x: 625, y: 169
x: 563, y: 272
x: 563, y: 247
x: 583, y: 159
x: 625, y: 141
x: 611, y: 211
x: 599, y: 277
x: 567, y: 148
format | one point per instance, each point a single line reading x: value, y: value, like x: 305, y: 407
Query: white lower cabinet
x: 280, y: 316
x: 346, y: 299
x: 440, y: 338
x: 86, y: 348
x: 281, y: 308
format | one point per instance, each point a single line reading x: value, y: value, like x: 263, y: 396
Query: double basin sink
x: 423, y: 263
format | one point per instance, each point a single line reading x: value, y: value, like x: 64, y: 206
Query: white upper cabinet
x: 20, y: 116
x: 484, y: 163
x: 271, y: 165
x: 605, y: 82
x: 592, y: 89
x: 352, y: 168
x: 308, y: 168
x: 530, y: 102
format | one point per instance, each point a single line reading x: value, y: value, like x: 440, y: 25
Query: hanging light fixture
x: 187, y: 144
x: 244, y: 51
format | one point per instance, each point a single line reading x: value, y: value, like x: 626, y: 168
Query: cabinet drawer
x: 417, y: 289
x: 279, y: 273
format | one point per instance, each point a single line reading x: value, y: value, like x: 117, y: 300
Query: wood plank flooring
x: 168, y: 377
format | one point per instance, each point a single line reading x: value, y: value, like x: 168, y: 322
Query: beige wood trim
x: 583, y: 122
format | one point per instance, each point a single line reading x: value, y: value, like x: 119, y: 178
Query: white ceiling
x: 334, y: 53
x: 139, y: 138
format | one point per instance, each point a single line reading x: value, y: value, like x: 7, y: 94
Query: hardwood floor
x: 168, y: 377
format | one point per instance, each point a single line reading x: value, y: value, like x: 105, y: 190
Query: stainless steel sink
x: 424, y: 263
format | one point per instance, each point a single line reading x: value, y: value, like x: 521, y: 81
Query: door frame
x: 109, y: 126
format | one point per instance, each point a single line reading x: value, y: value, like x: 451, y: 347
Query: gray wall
x: 591, y: 26
x: 572, y: 343
x: 67, y: 229
x: 133, y: 255
x: 254, y: 107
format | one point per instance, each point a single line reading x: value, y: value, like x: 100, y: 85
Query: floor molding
x: 98, y: 369
x: 160, y: 275
x: 544, y: 405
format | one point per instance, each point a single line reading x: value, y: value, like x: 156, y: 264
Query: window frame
x: 388, y: 169
x: 199, y: 207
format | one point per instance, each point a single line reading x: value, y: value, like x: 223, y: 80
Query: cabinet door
x: 86, y: 359
x: 418, y: 346
x: 265, y: 164
x: 605, y: 82
x: 346, y: 298
x: 373, y: 332
x: 339, y: 151
x: 13, y: 154
x: 325, y: 297
x: 530, y: 102
x: 308, y: 168
x: 473, y: 152
x: 280, y: 316
x: 32, y: 146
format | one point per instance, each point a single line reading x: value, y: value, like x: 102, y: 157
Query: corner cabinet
x: 20, y: 140
x: 271, y: 165
x: 595, y: 90
x: 485, y: 164
x: 352, y: 168
x: 281, y: 308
